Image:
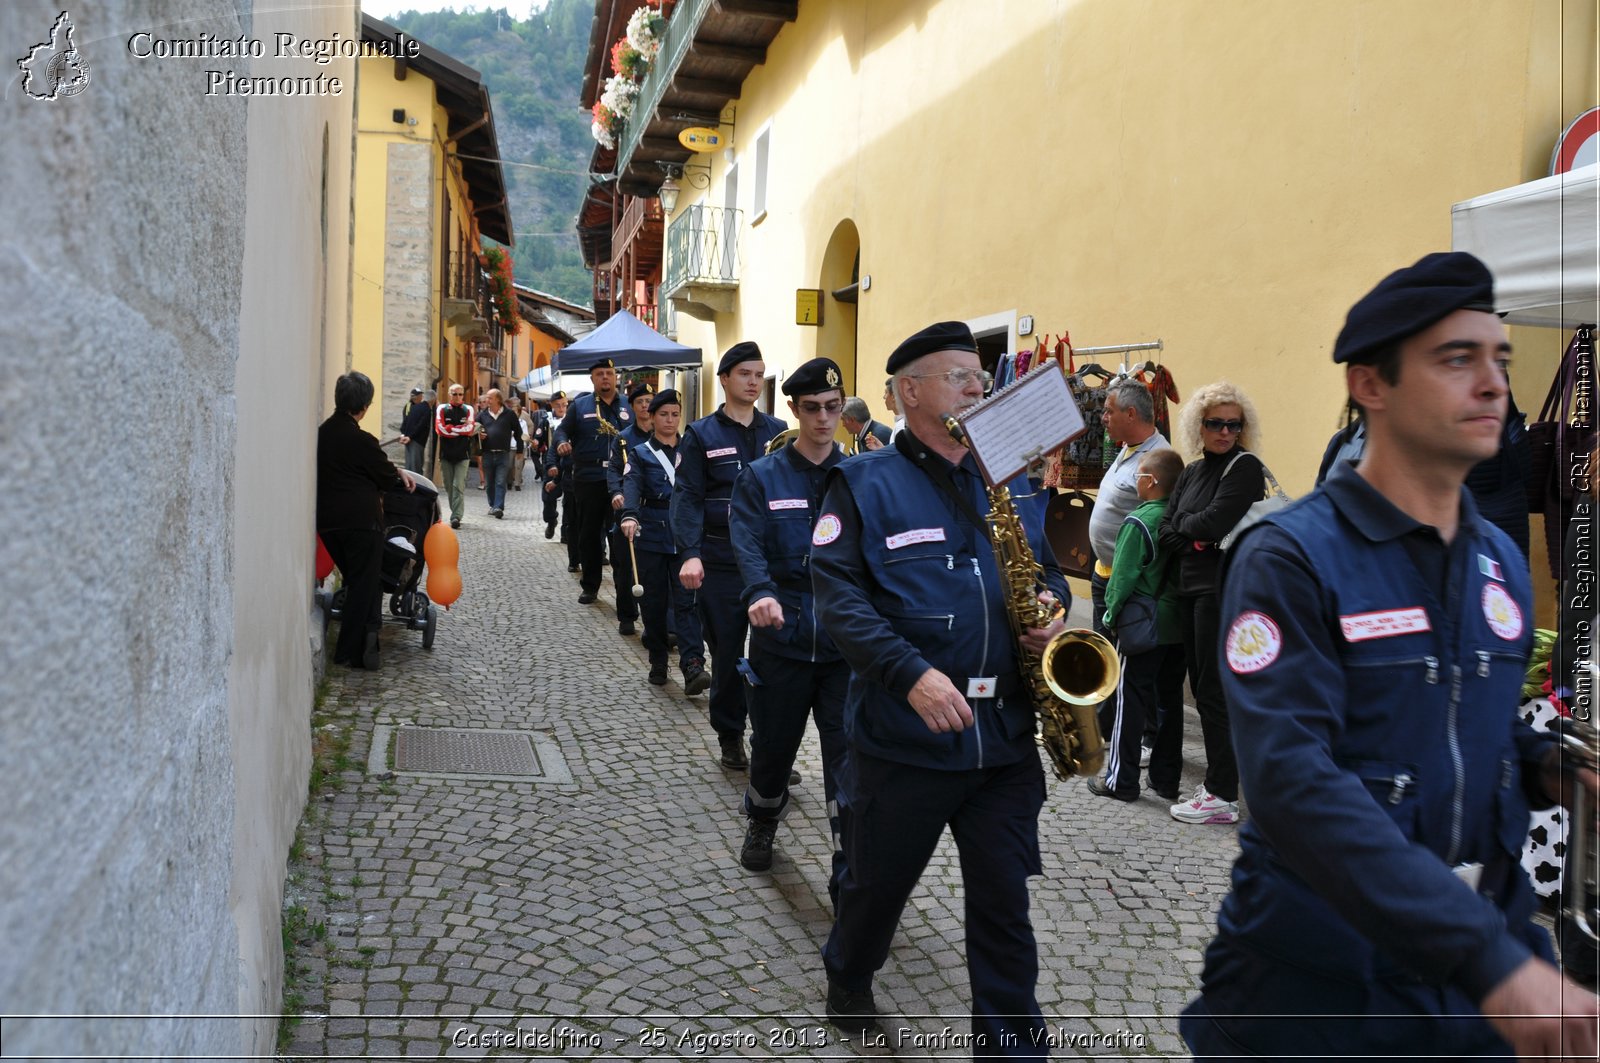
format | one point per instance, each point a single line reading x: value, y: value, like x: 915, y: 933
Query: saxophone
x: 1078, y: 668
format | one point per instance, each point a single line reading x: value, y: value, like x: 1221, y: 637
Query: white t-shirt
x: 1118, y: 496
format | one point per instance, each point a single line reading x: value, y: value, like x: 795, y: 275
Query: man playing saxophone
x: 938, y: 719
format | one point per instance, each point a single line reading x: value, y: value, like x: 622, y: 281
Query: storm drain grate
x: 454, y: 753
x: 472, y: 752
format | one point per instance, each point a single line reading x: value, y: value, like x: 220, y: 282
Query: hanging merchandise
x: 1163, y: 389
x: 1084, y: 460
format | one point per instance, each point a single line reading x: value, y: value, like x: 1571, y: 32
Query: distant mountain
x: 534, y: 70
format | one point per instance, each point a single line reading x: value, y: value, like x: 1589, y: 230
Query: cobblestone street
x: 608, y: 916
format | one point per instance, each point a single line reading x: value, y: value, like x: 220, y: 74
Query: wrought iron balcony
x: 703, y: 260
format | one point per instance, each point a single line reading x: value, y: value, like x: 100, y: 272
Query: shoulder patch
x: 1501, y: 611
x: 827, y: 530
x: 1253, y: 643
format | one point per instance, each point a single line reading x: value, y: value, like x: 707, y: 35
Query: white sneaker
x: 1144, y: 756
x: 1204, y: 807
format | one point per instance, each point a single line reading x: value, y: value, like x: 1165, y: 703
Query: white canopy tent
x: 1541, y: 240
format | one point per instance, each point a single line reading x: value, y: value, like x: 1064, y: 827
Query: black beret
x: 739, y: 352
x: 604, y: 363
x: 819, y: 374
x: 558, y: 395
x: 940, y: 336
x: 666, y: 398
x: 1410, y: 300
x: 640, y: 389
x: 416, y: 391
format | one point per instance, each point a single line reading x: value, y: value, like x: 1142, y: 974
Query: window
x: 763, y: 146
x: 730, y: 187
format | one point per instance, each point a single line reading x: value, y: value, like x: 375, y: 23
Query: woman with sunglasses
x: 1218, y: 426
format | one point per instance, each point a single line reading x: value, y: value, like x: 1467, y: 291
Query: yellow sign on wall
x: 700, y: 138
x: 808, y: 306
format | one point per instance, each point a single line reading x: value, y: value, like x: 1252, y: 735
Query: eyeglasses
x: 811, y: 409
x: 960, y: 378
x: 1142, y: 475
x: 1217, y: 424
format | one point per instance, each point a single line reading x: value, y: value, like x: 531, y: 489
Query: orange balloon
x: 444, y: 585
x: 440, y: 547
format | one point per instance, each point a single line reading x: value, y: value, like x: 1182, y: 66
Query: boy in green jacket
x: 1138, y: 572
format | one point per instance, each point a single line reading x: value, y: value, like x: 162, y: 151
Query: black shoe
x: 757, y: 852
x: 1166, y: 795
x: 550, y: 530
x: 516, y: 487
x: 588, y: 598
x: 626, y: 628
x: 851, y: 1011
x: 497, y: 514
x: 658, y: 674
x: 572, y: 568
x: 563, y: 538
x: 695, y: 680
x: 672, y: 640
x: 455, y: 522
x: 733, y: 756
x: 1098, y: 787
x: 794, y: 777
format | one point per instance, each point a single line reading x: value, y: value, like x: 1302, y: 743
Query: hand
x: 692, y: 574
x: 616, y: 501
x: 405, y: 439
x: 410, y: 480
x: 629, y: 528
x: 549, y: 487
x: 1035, y: 639
x: 939, y: 703
x: 871, y: 442
x: 564, y: 449
x: 1543, y: 1014
x: 766, y: 612
x: 552, y: 472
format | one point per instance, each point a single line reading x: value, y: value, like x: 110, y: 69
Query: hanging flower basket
x: 645, y: 30
x: 498, y: 265
x: 627, y: 61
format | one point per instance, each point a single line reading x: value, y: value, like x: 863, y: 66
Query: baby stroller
x: 407, y: 516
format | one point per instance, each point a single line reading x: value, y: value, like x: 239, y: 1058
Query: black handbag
x: 1137, y: 630
x: 1565, y: 430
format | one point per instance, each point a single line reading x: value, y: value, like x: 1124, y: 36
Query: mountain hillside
x: 534, y: 70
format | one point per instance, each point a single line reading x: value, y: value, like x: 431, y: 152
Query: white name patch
x: 1358, y: 627
x: 722, y: 452
x: 591, y: 416
x: 788, y: 503
x: 915, y: 535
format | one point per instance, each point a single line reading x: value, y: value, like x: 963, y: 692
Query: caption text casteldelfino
x: 319, y: 50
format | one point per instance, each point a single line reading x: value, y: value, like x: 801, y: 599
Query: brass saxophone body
x: 1078, y: 668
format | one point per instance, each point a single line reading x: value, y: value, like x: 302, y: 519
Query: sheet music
x: 1020, y: 423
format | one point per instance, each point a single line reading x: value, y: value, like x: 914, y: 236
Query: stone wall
x: 408, y: 286
x: 154, y: 677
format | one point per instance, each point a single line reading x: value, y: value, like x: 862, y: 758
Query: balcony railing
x: 703, y: 247
x: 680, y: 33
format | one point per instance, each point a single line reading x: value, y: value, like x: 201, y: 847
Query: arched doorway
x: 841, y: 270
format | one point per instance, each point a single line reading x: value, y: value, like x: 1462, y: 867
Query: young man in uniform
x: 795, y: 668
x: 1376, y: 636
x: 939, y: 722
x: 581, y: 437
x: 647, y: 484
x: 621, y: 567
x: 715, y: 449
x: 455, y: 424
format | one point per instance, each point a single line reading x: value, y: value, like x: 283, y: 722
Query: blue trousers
x: 724, y: 623
x: 791, y: 691
x: 496, y: 466
x: 897, y: 814
x: 667, y: 606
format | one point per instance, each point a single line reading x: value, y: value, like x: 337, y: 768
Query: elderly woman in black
x: 1217, y: 424
x: 352, y: 470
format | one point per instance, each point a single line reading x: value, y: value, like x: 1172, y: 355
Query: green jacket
x: 1136, y: 568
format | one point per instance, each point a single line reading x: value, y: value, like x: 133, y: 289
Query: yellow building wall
x: 378, y: 96
x: 1225, y: 175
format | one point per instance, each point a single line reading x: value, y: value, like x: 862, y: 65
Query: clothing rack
x: 1117, y: 348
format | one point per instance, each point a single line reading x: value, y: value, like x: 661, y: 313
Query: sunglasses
x: 811, y: 409
x: 1217, y: 424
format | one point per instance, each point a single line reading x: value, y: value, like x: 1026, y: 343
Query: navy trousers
x: 791, y: 691
x: 667, y: 606
x: 897, y: 814
x: 622, y: 576
x: 724, y: 623
x: 591, y: 506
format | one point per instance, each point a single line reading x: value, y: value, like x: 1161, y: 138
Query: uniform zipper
x: 1454, y: 738
x: 1399, y: 784
x: 983, y: 663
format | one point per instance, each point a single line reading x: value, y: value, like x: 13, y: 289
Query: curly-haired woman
x: 1219, y: 428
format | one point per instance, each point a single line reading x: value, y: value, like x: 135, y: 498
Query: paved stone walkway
x: 609, y: 917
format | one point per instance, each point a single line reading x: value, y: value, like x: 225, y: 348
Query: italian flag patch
x: 1489, y: 567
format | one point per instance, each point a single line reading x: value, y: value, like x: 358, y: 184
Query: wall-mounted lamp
x: 696, y: 176
x: 669, y: 195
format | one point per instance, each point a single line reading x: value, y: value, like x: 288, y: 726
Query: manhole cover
x: 458, y: 753
x: 477, y: 752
